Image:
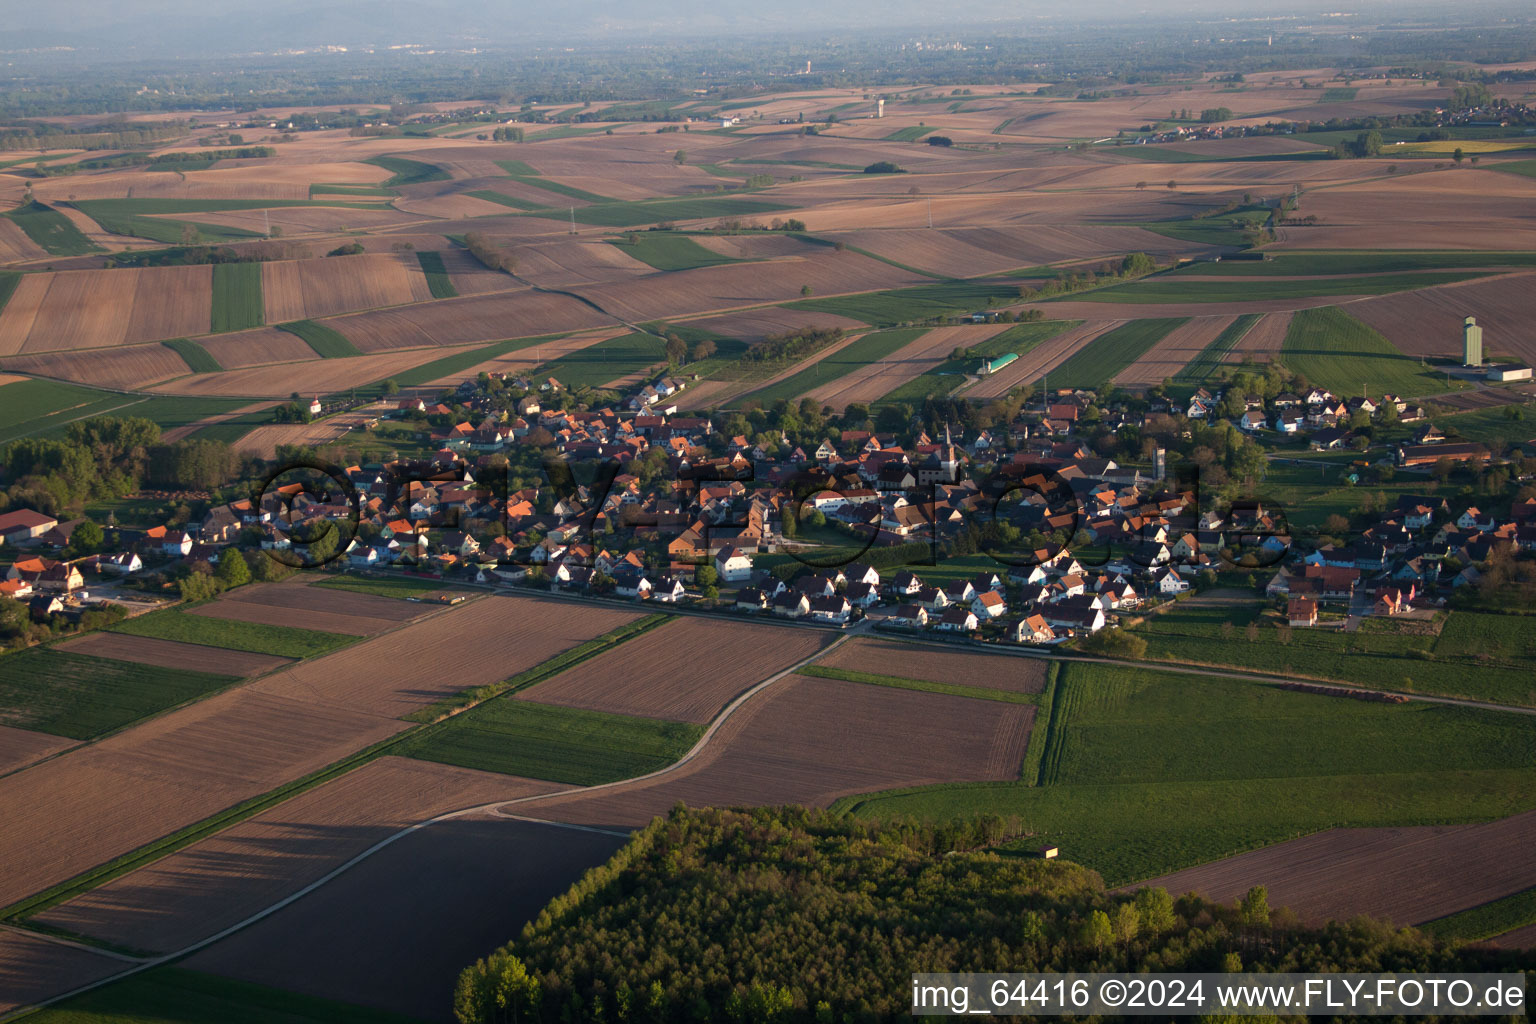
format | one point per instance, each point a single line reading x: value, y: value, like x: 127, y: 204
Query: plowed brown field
x: 148, y: 650
x: 220, y: 881
x: 522, y: 313
x: 20, y: 747
x: 131, y: 366
x: 1263, y: 340
x: 15, y: 245
x: 1383, y: 872
x: 300, y: 606
x: 101, y: 308
x: 102, y: 800
x: 33, y: 968
x: 810, y: 741
x: 257, y: 347
x: 313, y: 376
x: 874, y: 381
x: 756, y: 324
x: 170, y: 302
x: 1428, y: 322
x: 685, y: 671
x: 305, y: 289
x: 1173, y: 352
x: 524, y: 359
x: 939, y: 665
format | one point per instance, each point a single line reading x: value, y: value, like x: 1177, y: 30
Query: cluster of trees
x: 792, y: 345
x: 1365, y: 144
x: 109, y: 457
x: 18, y: 629
x: 46, y: 137
x: 679, y: 351
x: 507, y: 135
x: 883, y: 167
x: 1130, y: 267
x: 198, y: 255
x: 138, y: 159
x: 705, y: 916
x: 1466, y: 97
x: 1212, y: 115
x: 490, y: 253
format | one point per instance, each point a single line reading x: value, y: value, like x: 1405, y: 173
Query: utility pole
x: 573, y: 220
x: 930, y: 211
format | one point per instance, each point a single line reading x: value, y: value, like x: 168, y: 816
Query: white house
x: 668, y: 589
x: 958, y: 620
x: 733, y: 565
x: 989, y: 605
x: 831, y: 609
x: 1168, y: 581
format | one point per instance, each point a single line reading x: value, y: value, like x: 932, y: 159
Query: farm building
x: 1429, y: 454
x: 1504, y: 374
x: 1301, y: 611
x: 991, y: 366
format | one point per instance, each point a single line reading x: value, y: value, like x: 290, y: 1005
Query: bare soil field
x: 308, y: 220
x: 756, y: 324
x: 709, y: 289
x: 20, y: 747
x: 148, y: 650
x: 93, y: 309
x: 130, y: 366
x: 256, y: 347
x: 294, y: 603
x: 471, y: 277
x: 1263, y: 340
x: 685, y: 671
x: 1520, y: 938
x: 872, y: 382
x: 455, y: 206
x: 809, y: 741
x: 395, y: 931
x: 1087, y: 309
x: 105, y: 799
x: 16, y: 246
x: 1173, y: 352
x: 1378, y: 871
x: 1462, y: 208
x: 314, y: 376
x: 524, y: 359
x: 566, y: 264
x: 220, y: 881
x: 975, y: 251
x: 340, y: 284
x: 33, y: 968
x: 939, y: 665
x: 1428, y: 322
x: 1043, y: 358
x: 264, y: 440
x: 521, y: 313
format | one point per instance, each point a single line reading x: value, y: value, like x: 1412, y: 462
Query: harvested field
x: 89, y: 805
x: 686, y: 671
x: 756, y: 324
x: 1378, y: 871
x: 872, y: 383
x: 148, y: 650
x: 257, y: 347
x: 1428, y: 322
x: 477, y: 319
x: 20, y: 747
x: 1262, y: 342
x: 15, y: 245
x: 1170, y: 355
x: 523, y: 359
x: 314, y: 376
x: 215, y: 883
x: 1041, y: 359
x: 101, y: 308
x: 33, y: 968
x: 264, y: 440
x: 471, y: 277
x: 808, y: 741
x: 1520, y: 938
x: 128, y: 367
x: 303, y: 289
x: 395, y: 931
x: 566, y: 264
x: 1451, y: 209
x: 958, y: 667
x: 294, y: 604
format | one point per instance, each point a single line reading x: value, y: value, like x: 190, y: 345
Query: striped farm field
x: 1111, y: 353
x: 326, y: 341
x: 128, y: 367
x: 237, y: 302
x: 30, y: 407
x: 847, y: 359
x: 607, y: 361
x: 97, y: 309
x: 305, y: 289
x: 1204, y: 366
x: 1189, y: 341
x: 51, y: 230
x: 1334, y: 350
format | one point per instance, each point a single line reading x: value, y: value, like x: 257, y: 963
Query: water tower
x: 1472, y: 342
x: 879, y: 108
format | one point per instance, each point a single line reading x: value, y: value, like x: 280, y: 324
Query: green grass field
x: 233, y: 429
x: 52, y: 230
x: 1300, y: 264
x: 30, y: 407
x: 171, y: 411
x: 237, y: 299
x: 279, y: 641
x: 654, y: 211
x: 1204, y: 366
x: 1339, y: 94
x: 948, y: 375
x: 407, y: 172
x: 1218, y: 230
x: 327, y: 342
x: 1488, y: 920
x: 871, y: 348
x: 79, y: 696
x: 1478, y: 655
x: 522, y: 173
x: 172, y: 995
x: 541, y: 741
x: 9, y: 279
x: 1522, y: 167
x: 194, y: 355
x: 1108, y: 354
x: 1331, y: 348
x: 909, y: 134
x: 490, y: 195
x: 1185, y: 289
x: 665, y: 250
x: 1146, y: 772
x: 133, y: 216
x: 606, y: 361
x: 463, y: 360
x: 923, y: 302
x: 438, y: 281
x: 351, y: 190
